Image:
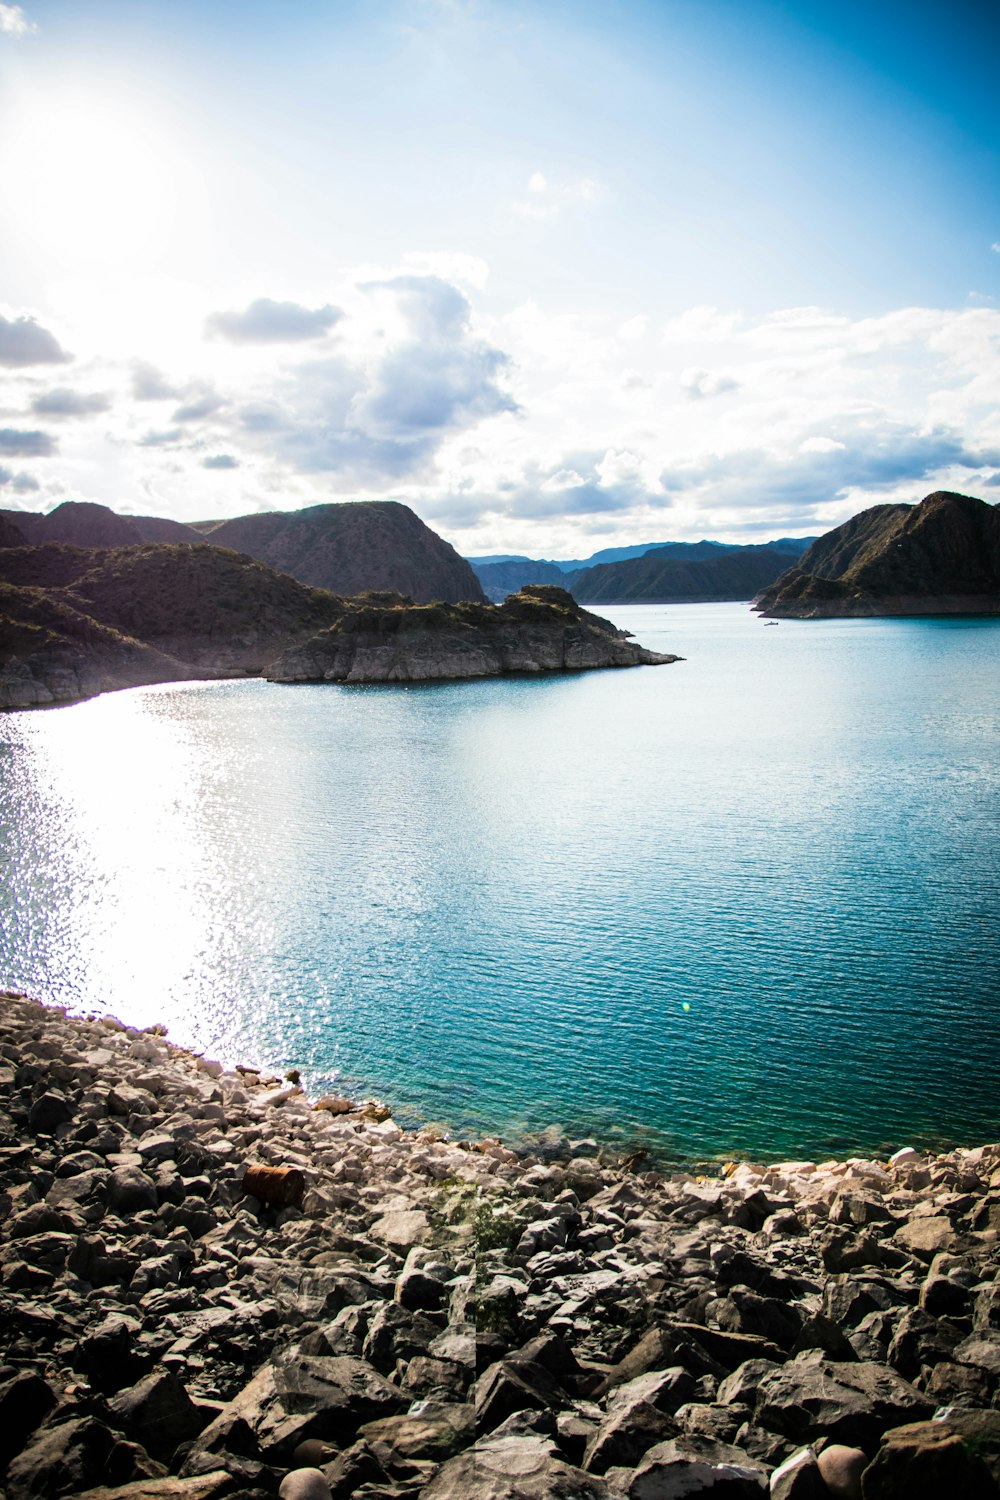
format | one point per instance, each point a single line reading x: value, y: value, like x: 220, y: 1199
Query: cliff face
x: 353, y: 546
x: 939, y: 557
x: 541, y: 629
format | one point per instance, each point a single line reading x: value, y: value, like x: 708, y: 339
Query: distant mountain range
x: 940, y: 557
x: 346, y: 548
x: 657, y: 573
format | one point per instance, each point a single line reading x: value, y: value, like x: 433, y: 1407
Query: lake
x: 746, y: 904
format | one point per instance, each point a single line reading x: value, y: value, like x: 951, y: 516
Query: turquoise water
x: 749, y: 902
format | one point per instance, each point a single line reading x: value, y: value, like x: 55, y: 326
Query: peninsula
x: 76, y: 621
x: 941, y: 557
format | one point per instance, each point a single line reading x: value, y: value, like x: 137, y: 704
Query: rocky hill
x: 541, y: 629
x: 353, y: 546
x: 79, y: 620
x: 345, y: 548
x: 939, y: 557
x: 662, y: 577
x: 11, y: 534
x: 667, y: 573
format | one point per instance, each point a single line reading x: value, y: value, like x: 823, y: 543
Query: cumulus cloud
x: 22, y: 483
x: 63, y: 402
x: 13, y: 21
x: 701, y: 384
x: 19, y: 444
x: 203, y: 402
x: 267, y: 322
x: 163, y: 438
x: 871, y: 458
x: 150, y: 384
x: 220, y: 461
x: 546, y: 200
x: 23, y: 341
x: 378, y: 412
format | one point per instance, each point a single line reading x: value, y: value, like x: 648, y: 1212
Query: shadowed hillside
x: 663, y: 577
x: 364, y: 544
x: 939, y: 557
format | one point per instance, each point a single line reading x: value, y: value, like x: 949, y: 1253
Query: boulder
x: 848, y: 1403
x: 693, y: 1465
x: 513, y: 1468
x: 841, y: 1469
x: 927, y: 1461
x: 158, y: 1413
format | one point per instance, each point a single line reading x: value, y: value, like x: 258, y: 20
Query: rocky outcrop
x: 52, y: 653
x: 76, y: 621
x: 941, y: 557
x: 541, y: 629
x: 352, y: 547
x: 458, y: 1320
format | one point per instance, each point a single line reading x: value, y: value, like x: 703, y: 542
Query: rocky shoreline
x: 210, y: 1286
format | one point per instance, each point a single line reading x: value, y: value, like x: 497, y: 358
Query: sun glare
x: 89, y: 183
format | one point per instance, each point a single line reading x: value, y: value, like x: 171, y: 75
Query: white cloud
x: 546, y: 200
x: 530, y: 430
x: 13, y: 21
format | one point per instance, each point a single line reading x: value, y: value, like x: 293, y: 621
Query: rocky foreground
x: 211, y: 1287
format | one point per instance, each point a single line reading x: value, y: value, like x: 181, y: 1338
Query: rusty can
x: 280, y: 1187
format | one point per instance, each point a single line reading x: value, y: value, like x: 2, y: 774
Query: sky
x: 560, y: 276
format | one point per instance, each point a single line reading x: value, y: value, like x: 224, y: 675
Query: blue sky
x: 559, y: 276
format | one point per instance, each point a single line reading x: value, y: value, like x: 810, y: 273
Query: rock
x: 695, y: 1465
x: 507, y: 1387
x: 927, y: 1461
x: 304, y: 1484
x: 25, y: 1400
x: 130, y: 1191
x: 513, y: 1468
x: 435, y: 1432
x: 61, y: 1460
x: 925, y: 1238
x: 49, y: 1112
x: 158, y: 1413
x: 798, y: 1478
x: 625, y: 1435
x: 402, y: 1229
x: 841, y: 1469
x: 847, y: 1403
x: 202, y: 1487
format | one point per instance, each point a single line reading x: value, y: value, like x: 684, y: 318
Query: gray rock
x: 693, y: 1465
x: 158, y: 1413
x: 130, y: 1191
x: 513, y: 1468
x: 49, y: 1112
x: 848, y: 1403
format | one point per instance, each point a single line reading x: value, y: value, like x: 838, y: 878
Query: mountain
x: 346, y: 548
x: 501, y: 576
x: 80, y: 620
x: 352, y: 546
x: 664, y: 577
x: 11, y: 534
x: 939, y: 557
x: 540, y: 629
